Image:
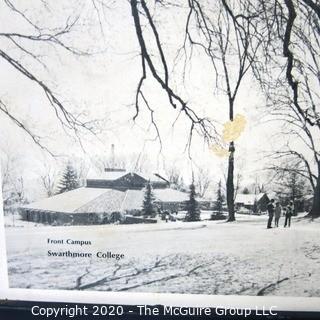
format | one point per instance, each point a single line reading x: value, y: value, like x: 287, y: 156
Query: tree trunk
x: 230, y: 183
x: 315, y: 210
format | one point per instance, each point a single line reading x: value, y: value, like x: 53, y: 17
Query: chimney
x: 112, y: 167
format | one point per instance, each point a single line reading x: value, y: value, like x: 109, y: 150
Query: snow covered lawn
x: 207, y: 257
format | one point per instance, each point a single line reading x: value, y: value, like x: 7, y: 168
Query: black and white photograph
x: 161, y: 146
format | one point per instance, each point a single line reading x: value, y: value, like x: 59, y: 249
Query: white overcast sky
x: 104, y: 86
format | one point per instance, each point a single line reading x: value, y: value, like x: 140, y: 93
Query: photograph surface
x: 161, y: 146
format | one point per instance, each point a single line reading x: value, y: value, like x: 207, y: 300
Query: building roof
x: 248, y: 199
x: 109, y: 201
x: 133, y: 200
x: 100, y: 200
x: 68, y: 201
x: 170, y: 195
x: 153, y: 177
x: 107, y: 175
x: 115, y: 175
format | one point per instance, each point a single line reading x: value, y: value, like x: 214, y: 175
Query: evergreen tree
x: 193, y: 211
x: 220, y: 198
x: 246, y: 191
x: 69, y: 180
x: 148, y: 209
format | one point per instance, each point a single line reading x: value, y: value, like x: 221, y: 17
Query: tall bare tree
x: 202, y: 180
x: 12, y: 182
x: 292, y: 84
x: 49, y: 179
x: 174, y: 176
x: 227, y: 38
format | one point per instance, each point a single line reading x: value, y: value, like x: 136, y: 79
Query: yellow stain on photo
x: 233, y: 129
x: 219, y: 151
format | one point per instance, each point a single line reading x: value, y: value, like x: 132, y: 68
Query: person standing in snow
x: 277, y: 214
x: 270, y: 208
x: 289, y: 213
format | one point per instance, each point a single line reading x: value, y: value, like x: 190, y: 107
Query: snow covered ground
x: 207, y: 257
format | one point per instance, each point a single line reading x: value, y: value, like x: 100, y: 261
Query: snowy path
x: 208, y: 257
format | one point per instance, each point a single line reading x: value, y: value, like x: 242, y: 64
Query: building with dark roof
x: 252, y: 202
x: 111, y: 197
